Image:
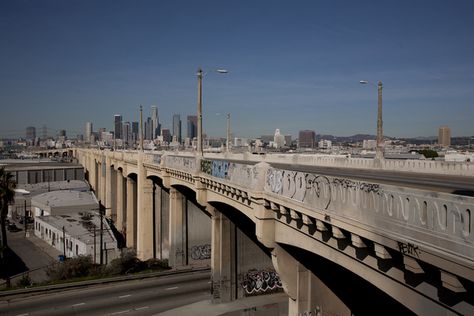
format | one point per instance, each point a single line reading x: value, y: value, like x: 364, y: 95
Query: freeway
x: 461, y: 185
x: 137, y: 297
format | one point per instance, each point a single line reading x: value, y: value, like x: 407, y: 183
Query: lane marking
x: 141, y: 308
x: 78, y: 304
x: 209, y: 282
x: 23, y: 314
x: 171, y: 288
x: 120, y: 312
x: 124, y: 296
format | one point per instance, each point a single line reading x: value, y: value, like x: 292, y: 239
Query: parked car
x: 13, y: 228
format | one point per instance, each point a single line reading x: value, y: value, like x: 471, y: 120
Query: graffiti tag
x: 261, y: 281
x: 201, y: 252
x: 409, y: 249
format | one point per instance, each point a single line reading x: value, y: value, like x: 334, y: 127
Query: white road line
x: 124, y: 296
x: 121, y: 312
x: 141, y: 308
x: 171, y: 288
x: 209, y: 282
x: 23, y: 314
x: 78, y: 304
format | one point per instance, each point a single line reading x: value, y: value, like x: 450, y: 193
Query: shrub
x: 24, y: 281
x: 77, y: 267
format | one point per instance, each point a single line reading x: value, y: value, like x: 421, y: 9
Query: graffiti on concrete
x: 245, y: 175
x: 201, y: 252
x: 178, y: 162
x: 409, y: 249
x: 261, y: 282
x: 303, y: 187
x: 362, y: 186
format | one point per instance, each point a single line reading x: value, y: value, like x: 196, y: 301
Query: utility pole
x: 379, y: 149
x: 24, y: 219
x: 228, y: 132
x: 141, y: 128
x: 64, y: 242
x: 95, y: 251
x: 101, y: 236
x: 199, y: 113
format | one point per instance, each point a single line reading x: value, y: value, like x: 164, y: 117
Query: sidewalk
x: 273, y: 304
x: 35, y: 254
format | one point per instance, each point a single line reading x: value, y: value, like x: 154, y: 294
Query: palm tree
x: 7, y: 195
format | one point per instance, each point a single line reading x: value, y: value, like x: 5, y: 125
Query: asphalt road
x: 138, y: 297
x: 462, y: 185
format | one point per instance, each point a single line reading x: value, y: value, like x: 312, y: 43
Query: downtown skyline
x: 291, y: 66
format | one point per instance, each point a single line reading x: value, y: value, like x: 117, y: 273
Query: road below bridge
x: 138, y: 297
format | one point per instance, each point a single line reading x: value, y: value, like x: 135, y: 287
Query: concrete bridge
x: 324, y: 230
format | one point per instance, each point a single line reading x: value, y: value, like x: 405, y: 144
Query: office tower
x: 118, y: 126
x: 155, y: 121
x: 288, y: 140
x: 135, y: 132
x: 306, y: 139
x: 148, y: 132
x: 88, y: 131
x: 62, y: 133
x: 278, y: 139
x: 126, y: 131
x: 45, y: 132
x: 30, y: 133
x: 192, y: 126
x: 444, y: 136
x: 177, y: 127
x: 166, y: 135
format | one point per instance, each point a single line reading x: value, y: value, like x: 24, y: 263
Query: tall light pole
x: 227, y: 147
x: 379, y: 148
x: 201, y: 74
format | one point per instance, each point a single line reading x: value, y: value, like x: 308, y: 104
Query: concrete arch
x: 346, y: 270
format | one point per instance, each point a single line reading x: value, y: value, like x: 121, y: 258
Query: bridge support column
x: 307, y: 293
x: 108, y: 188
x: 223, y: 259
x: 120, y: 201
x: 177, y: 231
x: 102, y: 185
x: 131, y: 223
x: 145, y: 219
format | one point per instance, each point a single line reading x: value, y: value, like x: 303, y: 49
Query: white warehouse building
x: 78, y: 234
x: 63, y: 202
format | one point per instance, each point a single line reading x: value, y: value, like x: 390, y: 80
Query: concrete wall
x: 199, y: 236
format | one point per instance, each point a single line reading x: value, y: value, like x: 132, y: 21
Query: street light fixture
x: 379, y: 148
x: 201, y: 74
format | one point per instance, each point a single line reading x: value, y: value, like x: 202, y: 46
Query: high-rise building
x: 30, y: 133
x: 88, y: 131
x: 306, y: 139
x: 192, y: 126
x: 155, y: 121
x: 62, y: 133
x: 177, y: 127
x: 44, y: 135
x: 118, y: 126
x: 135, y: 133
x: 278, y: 139
x: 165, y: 133
x: 444, y: 136
x: 148, y: 126
x: 126, y: 131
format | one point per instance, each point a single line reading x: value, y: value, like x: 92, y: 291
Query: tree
x: 7, y: 195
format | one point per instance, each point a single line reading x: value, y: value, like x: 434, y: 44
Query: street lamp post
x: 201, y: 74
x: 379, y: 149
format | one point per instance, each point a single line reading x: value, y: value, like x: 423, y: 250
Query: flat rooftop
x: 66, y: 198
x: 80, y: 226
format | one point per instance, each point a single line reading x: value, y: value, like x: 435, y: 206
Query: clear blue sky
x: 292, y: 65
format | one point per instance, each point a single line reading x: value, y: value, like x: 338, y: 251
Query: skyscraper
x: 444, y: 136
x: 306, y: 139
x: 192, y: 126
x: 177, y: 127
x: 88, y: 131
x: 118, y: 126
x: 155, y: 121
x: 135, y: 135
x: 30, y: 133
x: 166, y: 135
x: 126, y: 131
